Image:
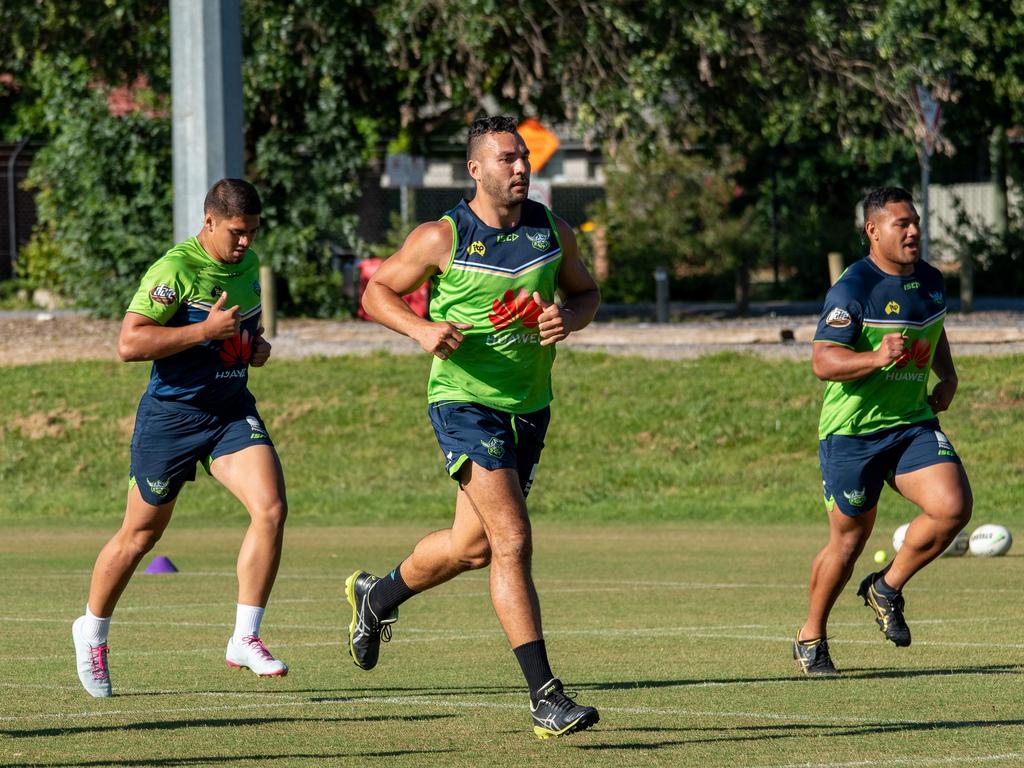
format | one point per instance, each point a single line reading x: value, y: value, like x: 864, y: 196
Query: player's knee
x: 850, y: 545
x: 141, y: 542
x: 514, y: 545
x: 958, y: 511
x: 272, y: 516
x: 476, y: 556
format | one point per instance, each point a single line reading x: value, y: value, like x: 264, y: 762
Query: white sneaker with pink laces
x: 250, y: 653
x: 92, y: 663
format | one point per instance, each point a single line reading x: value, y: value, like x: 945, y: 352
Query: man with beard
x: 494, y: 265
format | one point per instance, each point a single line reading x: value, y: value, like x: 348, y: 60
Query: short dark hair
x: 485, y: 125
x: 232, y: 197
x: 878, y: 198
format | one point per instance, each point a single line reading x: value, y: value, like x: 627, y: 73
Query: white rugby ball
x: 897, y: 537
x: 990, y: 540
x: 958, y: 547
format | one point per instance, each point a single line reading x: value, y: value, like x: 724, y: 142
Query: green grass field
x: 678, y: 633
x: 676, y: 515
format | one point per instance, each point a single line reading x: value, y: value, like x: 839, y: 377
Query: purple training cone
x: 161, y: 564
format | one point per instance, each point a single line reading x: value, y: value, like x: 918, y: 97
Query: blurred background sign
x: 403, y: 170
x: 541, y: 142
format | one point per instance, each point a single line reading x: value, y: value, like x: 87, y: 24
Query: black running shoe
x: 366, y: 631
x: 813, y: 657
x: 888, y: 611
x: 556, y: 714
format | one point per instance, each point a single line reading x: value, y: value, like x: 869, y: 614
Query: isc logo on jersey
x: 838, y: 318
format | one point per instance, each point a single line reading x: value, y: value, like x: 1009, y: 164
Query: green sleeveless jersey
x: 864, y: 305
x: 179, y: 289
x: 489, y: 282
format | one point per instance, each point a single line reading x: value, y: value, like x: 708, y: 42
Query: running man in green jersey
x: 879, y: 338
x: 494, y: 265
x: 197, y: 317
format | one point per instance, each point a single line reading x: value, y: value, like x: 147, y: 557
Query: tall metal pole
x: 206, y: 97
x: 925, y: 180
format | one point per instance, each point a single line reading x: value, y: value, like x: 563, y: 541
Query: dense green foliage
x: 726, y: 437
x: 801, y: 105
x: 101, y: 188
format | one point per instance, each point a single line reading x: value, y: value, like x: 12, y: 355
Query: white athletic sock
x: 95, y: 629
x: 247, y: 621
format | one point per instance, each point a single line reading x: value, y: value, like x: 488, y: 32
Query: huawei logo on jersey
x: 514, y: 306
x: 237, y: 350
x: 918, y: 352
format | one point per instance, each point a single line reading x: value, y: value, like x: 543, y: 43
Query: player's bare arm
x: 580, y: 294
x: 834, y: 362
x: 942, y: 365
x: 260, y: 349
x: 143, y: 338
x: 425, y: 252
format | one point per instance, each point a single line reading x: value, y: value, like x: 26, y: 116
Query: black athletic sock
x: 389, y: 593
x: 883, y: 586
x: 533, y: 658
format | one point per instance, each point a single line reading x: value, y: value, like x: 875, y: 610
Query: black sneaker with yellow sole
x: 556, y: 714
x: 367, y: 630
x: 888, y: 610
x: 813, y: 657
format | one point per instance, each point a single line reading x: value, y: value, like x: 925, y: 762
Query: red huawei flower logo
x: 511, y: 307
x: 237, y: 350
x: 919, y: 352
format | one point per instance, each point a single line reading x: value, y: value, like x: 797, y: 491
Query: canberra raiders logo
x: 495, y: 447
x: 540, y: 240
x: 856, y: 498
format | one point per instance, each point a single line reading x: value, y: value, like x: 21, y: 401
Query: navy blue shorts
x: 854, y: 468
x: 170, y: 438
x: 492, y: 439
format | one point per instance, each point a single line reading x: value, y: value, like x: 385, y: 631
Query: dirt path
x: 27, y: 338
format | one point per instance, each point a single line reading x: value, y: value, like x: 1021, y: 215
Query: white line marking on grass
x: 451, y: 703
x: 951, y: 760
x: 422, y: 635
x: 604, y: 585
x: 844, y: 641
x: 147, y: 712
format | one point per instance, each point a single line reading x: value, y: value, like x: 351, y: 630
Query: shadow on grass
x: 169, y: 762
x: 230, y: 722
x: 846, y: 674
x: 342, y: 694
x: 761, y: 733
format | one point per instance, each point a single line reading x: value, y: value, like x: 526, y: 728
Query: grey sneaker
x: 367, y: 630
x: 92, y: 663
x: 888, y: 611
x: 813, y: 657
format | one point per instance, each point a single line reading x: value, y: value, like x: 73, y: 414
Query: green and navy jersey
x: 864, y: 305
x: 489, y: 282
x: 179, y: 289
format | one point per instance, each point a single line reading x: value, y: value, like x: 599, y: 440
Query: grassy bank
x: 724, y: 437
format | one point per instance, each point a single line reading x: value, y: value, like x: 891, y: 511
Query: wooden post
x: 835, y: 266
x: 268, y: 302
x: 966, y: 282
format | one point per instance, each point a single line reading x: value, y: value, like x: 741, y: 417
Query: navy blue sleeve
x: 842, y: 316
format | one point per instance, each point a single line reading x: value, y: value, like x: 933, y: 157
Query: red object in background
x: 417, y: 300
